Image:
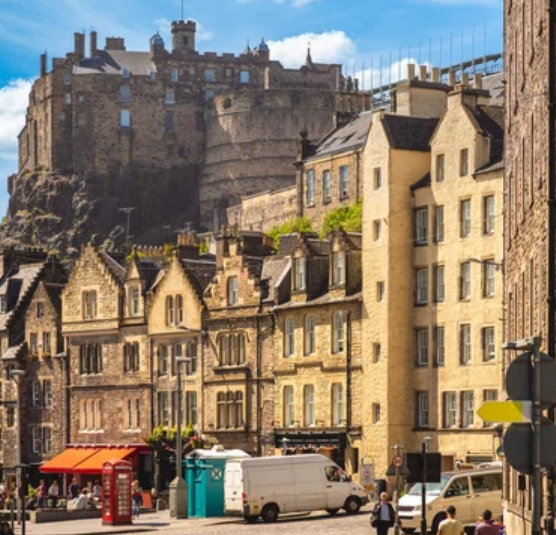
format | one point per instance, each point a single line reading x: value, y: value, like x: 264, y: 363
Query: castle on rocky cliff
x: 173, y: 133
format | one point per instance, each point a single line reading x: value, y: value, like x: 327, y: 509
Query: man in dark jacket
x: 384, y: 516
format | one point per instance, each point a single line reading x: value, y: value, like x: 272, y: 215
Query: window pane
x: 125, y: 118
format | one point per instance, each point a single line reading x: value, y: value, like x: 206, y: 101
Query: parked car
x: 469, y: 491
x: 269, y: 486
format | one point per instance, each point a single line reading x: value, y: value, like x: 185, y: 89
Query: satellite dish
x: 116, y: 233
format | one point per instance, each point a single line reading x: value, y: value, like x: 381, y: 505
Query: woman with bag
x: 383, y: 515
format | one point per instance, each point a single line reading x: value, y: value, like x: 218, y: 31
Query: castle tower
x: 157, y: 44
x: 262, y: 51
x: 183, y: 35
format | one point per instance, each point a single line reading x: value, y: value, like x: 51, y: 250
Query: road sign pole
x: 537, y: 415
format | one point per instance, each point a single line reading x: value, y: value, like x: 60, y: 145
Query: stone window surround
x: 134, y: 301
x: 288, y: 408
x: 309, y: 402
x: 230, y: 409
x: 338, y: 268
x: 338, y: 415
x: 310, y: 335
x: 338, y: 332
x: 423, y: 412
x: 43, y: 440
x: 299, y: 280
x: 190, y: 408
x: 289, y: 337
x: 90, y: 360
x: 232, y: 345
x: 132, y: 357
x: 326, y: 187
x: 89, y: 303
x: 41, y: 392
x: 90, y: 412
x: 131, y: 414
x: 232, y: 290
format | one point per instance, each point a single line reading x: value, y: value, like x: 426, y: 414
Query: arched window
x: 169, y: 310
x: 338, y: 332
x: 179, y: 309
x: 222, y: 421
x: 310, y: 340
x: 289, y: 341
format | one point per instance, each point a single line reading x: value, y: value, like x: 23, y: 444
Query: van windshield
x: 433, y: 489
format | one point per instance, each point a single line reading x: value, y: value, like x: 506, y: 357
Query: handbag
x: 374, y: 522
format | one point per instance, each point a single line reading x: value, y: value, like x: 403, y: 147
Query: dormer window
x: 338, y: 268
x: 233, y: 292
x: 300, y: 274
x: 134, y: 301
x: 3, y: 304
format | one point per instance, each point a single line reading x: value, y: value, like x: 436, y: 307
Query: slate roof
x: 113, y: 61
x: 409, y: 133
x: 13, y: 352
x: 348, y: 137
x: 491, y: 122
x: 114, y: 267
x: 319, y: 301
x: 423, y: 183
x: 200, y: 272
x: 274, y: 270
x: 148, y: 271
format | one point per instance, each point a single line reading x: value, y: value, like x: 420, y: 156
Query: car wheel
x: 352, y: 505
x: 251, y: 519
x: 270, y: 513
x: 332, y: 512
x: 436, y: 522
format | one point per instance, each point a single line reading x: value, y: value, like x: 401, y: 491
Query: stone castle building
x: 176, y: 134
x: 530, y: 234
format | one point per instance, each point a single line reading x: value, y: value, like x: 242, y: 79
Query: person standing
x: 41, y: 494
x: 450, y: 526
x: 486, y: 525
x: 137, y: 498
x: 54, y: 493
x: 73, y: 489
x: 384, y: 515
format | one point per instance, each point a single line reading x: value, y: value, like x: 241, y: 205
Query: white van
x: 269, y: 486
x: 469, y: 491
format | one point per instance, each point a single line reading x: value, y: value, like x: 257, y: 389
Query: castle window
x: 209, y: 94
x: 310, y: 187
x: 378, y: 178
x: 421, y: 226
x: 152, y: 76
x: 47, y: 440
x: 90, y: 359
x: 465, y: 344
x: 68, y: 98
x: 10, y: 417
x: 162, y: 360
x: 169, y: 121
x: 244, y: 77
x: 47, y: 392
x: 67, y: 79
x: 36, y: 394
x: 131, y: 357
x: 125, y: 118
x: 209, y: 75
x: 422, y: 409
x: 125, y: 93
x: 233, y: 291
x: 465, y: 218
x: 125, y: 72
x: 488, y: 215
x: 174, y: 74
x: 227, y: 104
x: 169, y: 97
x: 163, y: 409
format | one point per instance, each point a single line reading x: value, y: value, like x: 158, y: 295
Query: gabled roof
x: 200, y: 273
x: 113, y: 62
x: 345, y: 138
x: 113, y: 266
x: 148, y: 271
x: 409, y: 133
x: 491, y: 121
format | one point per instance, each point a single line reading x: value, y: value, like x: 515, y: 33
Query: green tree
x: 350, y: 218
x: 301, y: 224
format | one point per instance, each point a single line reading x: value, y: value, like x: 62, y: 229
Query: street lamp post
x: 425, y: 450
x: 178, y: 487
x: 17, y: 377
x: 397, y: 449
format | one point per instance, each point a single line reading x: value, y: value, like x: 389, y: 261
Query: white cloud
x: 327, y: 47
x: 376, y: 75
x: 13, y: 105
x: 165, y: 29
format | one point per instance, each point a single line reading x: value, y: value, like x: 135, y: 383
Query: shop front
x: 296, y: 442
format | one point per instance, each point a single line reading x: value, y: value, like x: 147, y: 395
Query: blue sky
x: 348, y: 32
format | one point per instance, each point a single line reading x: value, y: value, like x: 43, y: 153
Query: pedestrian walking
x: 73, y: 490
x: 384, y: 516
x: 450, y: 526
x: 137, y: 498
x: 97, y: 491
x: 41, y: 494
x: 486, y: 525
x: 54, y: 493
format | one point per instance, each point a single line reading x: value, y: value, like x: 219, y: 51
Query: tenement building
x: 432, y: 277
x: 318, y: 351
x: 122, y: 128
x: 529, y: 211
x: 32, y: 367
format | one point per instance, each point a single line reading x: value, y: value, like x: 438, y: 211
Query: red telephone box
x: 116, y: 492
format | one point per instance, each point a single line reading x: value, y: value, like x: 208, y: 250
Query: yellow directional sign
x: 506, y: 411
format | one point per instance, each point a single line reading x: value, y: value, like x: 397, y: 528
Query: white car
x: 469, y: 491
x: 269, y: 486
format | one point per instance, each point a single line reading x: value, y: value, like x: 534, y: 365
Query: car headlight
x: 417, y: 509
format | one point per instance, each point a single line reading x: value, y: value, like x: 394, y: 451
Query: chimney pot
x: 435, y: 75
x: 43, y: 64
x: 423, y: 73
x: 452, y: 78
x: 411, y: 71
x: 93, y: 44
x: 464, y: 79
x: 478, y: 81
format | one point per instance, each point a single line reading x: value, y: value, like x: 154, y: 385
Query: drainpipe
x: 259, y: 378
x: 551, y: 229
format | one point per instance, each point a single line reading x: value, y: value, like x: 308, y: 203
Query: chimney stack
x: 93, y: 44
x: 423, y: 73
x: 452, y: 78
x: 411, y: 71
x: 79, y: 45
x: 43, y: 64
x: 435, y: 75
x: 464, y: 78
x: 478, y: 81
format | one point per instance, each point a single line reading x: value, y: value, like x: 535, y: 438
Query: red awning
x: 66, y: 462
x: 94, y: 463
